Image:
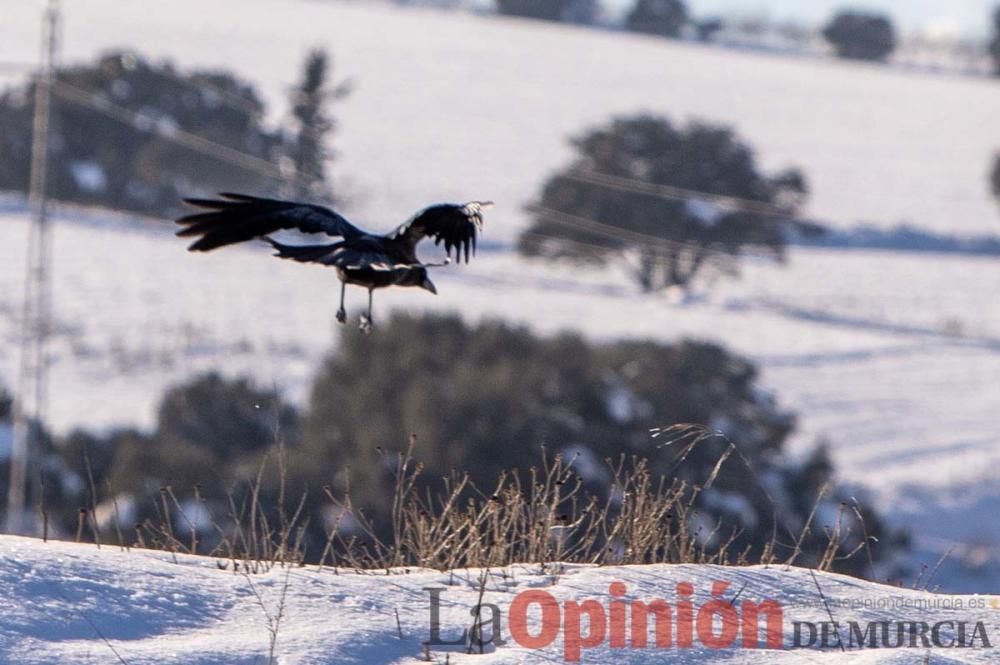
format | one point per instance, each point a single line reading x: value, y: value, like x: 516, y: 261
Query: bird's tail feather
x: 302, y: 253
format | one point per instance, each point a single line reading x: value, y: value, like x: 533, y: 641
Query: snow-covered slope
x: 68, y: 603
x: 454, y: 106
x: 891, y: 357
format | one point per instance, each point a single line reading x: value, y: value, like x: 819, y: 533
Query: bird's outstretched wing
x: 454, y: 225
x: 237, y: 217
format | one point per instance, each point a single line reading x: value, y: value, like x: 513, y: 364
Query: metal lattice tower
x: 32, y: 390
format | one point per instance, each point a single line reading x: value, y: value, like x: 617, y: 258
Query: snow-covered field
x: 68, y: 603
x: 892, y: 357
x: 452, y: 106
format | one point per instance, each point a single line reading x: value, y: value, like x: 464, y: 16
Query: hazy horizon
x: 968, y: 18
x: 957, y: 17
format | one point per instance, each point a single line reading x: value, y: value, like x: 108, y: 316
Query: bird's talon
x: 341, y: 316
x: 366, y: 324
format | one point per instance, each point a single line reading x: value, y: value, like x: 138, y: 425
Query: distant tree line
x: 666, y: 18
x: 658, y: 17
x: 117, y: 123
x: 481, y: 400
x: 853, y: 34
x: 571, y: 11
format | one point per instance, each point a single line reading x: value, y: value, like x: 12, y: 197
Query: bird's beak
x: 429, y: 285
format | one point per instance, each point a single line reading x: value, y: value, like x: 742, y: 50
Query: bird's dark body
x: 408, y: 275
x: 380, y: 280
x: 360, y: 258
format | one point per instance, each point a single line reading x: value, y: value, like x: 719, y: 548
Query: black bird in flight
x: 361, y: 258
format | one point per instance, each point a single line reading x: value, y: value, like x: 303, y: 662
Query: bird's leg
x: 342, y: 313
x: 366, y: 319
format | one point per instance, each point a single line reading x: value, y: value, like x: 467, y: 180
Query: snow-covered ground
x: 68, y: 603
x: 452, y: 106
x: 892, y: 357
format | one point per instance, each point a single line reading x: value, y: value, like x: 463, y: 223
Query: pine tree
x: 995, y: 44
x: 309, y: 153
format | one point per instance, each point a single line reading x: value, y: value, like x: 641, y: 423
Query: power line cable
x: 625, y: 235
x: 226, y: 97
x: 154, y: 125
x: 233, y: 100
x: 671, y: 193
x: 586, y: 247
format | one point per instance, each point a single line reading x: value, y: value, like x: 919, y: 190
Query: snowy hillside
x: 455, y: 107
x: 892, y: 357
x: 76, y: 603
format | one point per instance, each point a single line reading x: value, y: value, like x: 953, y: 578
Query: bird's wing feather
x: 454, y: 225
x: 237, y: 217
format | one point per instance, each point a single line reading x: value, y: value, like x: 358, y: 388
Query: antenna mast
x: 32, y: 395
